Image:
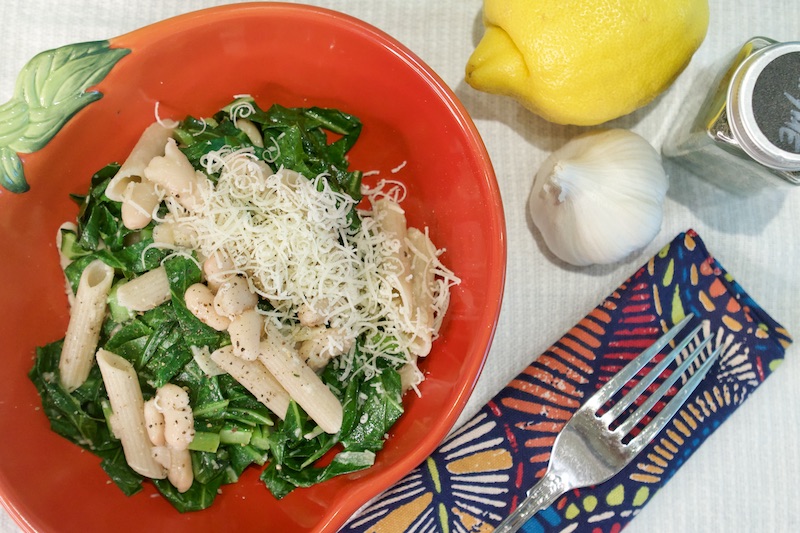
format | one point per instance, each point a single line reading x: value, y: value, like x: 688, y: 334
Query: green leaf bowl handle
x: 50, y: 89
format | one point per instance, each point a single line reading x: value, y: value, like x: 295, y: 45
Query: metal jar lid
x: 764, y: 106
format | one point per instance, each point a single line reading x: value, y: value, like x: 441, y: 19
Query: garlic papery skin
x: 600, y: 197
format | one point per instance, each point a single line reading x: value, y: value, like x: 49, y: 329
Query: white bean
x: 245, y: 331
x: 313, y: 316
x: 154, y: 422
x: 173, y: 401
x: 234, y: 297
x: 138, y: 203
x: 175, y: 174
x: 322, y: 345
x: 162, y: 456
x: 179, y: 471
x: 216, y: 269
x: 251, y: 130
x: 200, y: 302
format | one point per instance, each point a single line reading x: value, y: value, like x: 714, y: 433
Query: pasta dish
x: 238, y: 297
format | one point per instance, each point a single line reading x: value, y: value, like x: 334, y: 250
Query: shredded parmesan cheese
x: 164, y: 123
x: 291, y: 238
x: 241, y: 109
x: 399, y: 167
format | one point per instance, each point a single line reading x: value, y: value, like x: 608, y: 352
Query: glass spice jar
x: 746, y: 134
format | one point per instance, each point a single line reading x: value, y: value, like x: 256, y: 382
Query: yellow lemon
x: 585, y: 62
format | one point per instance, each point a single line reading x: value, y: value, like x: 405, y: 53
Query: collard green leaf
x: 302, y: 137
x: 283, y: 480
x: 205, y: 394
x: 130, y: 341
x: 311, y: 141
x: 378, y: 406
x: 169, y: 359
x: 183, y: 272
x: 120, y: 473
x: 370, y: 409
x: 72, y: 416
x: 210, y: 467
x: 198, y: 497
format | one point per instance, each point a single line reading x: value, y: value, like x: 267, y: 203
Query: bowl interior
x: 415, y: 131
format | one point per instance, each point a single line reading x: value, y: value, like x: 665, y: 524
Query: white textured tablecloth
x: 741, y: 479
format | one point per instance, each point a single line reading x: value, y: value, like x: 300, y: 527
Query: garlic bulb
x: 599, y: 197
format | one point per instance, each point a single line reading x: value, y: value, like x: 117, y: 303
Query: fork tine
x: 659, y: 393
x: 637, y: 390
x: 665, y: 415
x: 631, y: 369
x: 586, y: 452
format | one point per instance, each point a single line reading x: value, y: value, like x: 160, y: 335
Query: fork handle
x: 540, y: 496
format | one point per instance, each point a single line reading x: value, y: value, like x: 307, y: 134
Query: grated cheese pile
x: 292, y: 240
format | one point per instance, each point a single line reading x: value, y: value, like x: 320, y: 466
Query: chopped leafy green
x: 199, y: 496
x: 233, y: 430
x: 120, y: 473
x: 370, y: 409
x: 311, y: 141
x: 182, y: 273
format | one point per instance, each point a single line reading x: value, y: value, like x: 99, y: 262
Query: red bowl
x: 194, y: 64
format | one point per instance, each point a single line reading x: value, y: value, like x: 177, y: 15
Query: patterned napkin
x: 481, y: 472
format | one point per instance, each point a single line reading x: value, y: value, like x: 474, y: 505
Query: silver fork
x: 588, y: 451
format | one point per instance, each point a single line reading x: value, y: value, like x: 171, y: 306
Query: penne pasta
x: 202, y: 356
x: 145, y: 292
x: 254, y: 377
x: 150, y: 144
x: 86, y: 319
x: 422, y: 281
x: 392, y: 220
x: 301, y: 382
x: 64, y: 261
x: 127, y: 420
x: 69, y: 227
